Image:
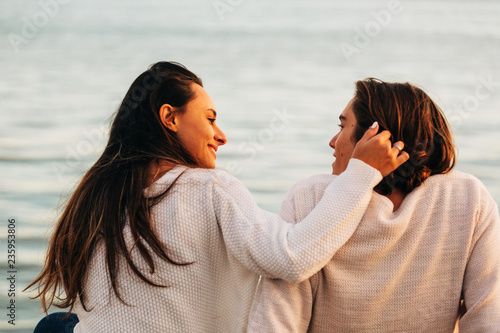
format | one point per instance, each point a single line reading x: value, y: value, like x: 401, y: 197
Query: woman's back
x: 200, y: 296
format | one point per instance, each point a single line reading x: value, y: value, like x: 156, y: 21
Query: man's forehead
x: 347, y: 114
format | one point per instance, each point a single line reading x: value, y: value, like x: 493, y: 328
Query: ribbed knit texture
x: 210, y: 219
x: 401, y: 271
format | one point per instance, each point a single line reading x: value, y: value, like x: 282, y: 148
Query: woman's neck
x: 157, y: 169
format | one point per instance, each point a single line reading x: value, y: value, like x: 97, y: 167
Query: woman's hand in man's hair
x: 378, y: 151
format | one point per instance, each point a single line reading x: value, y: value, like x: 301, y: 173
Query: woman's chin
x: 207, y: 165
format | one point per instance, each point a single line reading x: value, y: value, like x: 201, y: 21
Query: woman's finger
x: 399, y: 145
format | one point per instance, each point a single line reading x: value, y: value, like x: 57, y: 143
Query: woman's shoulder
x: 216, y: 184
x: 187, y: 177
x: 208, y: 176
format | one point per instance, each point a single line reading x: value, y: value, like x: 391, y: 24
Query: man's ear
x: 167, y: 117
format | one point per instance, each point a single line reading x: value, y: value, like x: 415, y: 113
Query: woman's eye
x: 211, y: 120
x: 339, y: 125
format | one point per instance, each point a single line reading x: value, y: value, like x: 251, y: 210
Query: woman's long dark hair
x: 113, y: 189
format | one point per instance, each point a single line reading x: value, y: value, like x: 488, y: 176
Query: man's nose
x: 333, y: 140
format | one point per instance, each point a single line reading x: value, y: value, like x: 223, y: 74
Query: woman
x: 428, y: 241
x: 155, y: 240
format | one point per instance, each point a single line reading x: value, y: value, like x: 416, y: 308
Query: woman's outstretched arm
x: 270, y: 246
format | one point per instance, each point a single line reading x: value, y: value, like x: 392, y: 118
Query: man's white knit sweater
x: 209, y: 219
x: 402, y: 271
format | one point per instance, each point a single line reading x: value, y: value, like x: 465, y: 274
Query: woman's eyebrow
x: 341, y: 117
x: 214, y: 112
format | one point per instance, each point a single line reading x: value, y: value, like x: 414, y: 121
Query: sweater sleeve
x: 481, y: 287
x: 266, y: 244
x: 282, y: 306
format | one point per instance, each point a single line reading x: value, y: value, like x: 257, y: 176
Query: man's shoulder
x: 316, y: 183
x: 455, y: 181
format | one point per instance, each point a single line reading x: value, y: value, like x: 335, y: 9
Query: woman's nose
x: 220, y: 137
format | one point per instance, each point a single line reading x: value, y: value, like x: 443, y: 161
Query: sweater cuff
x: 360, y: 170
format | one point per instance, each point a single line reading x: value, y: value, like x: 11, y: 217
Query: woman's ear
x: 167, y: 117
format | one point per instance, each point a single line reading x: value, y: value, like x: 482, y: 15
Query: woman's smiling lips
x: 213, y: 149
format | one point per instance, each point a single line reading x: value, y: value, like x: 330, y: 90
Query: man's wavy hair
x: 412, y: 117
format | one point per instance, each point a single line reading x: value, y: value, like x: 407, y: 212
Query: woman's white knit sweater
x: 402, y: 271
x: 209, y: 219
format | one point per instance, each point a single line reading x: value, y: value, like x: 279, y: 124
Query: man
x: 426, y: 244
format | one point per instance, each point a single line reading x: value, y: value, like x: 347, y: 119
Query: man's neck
x: 397, y: 198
